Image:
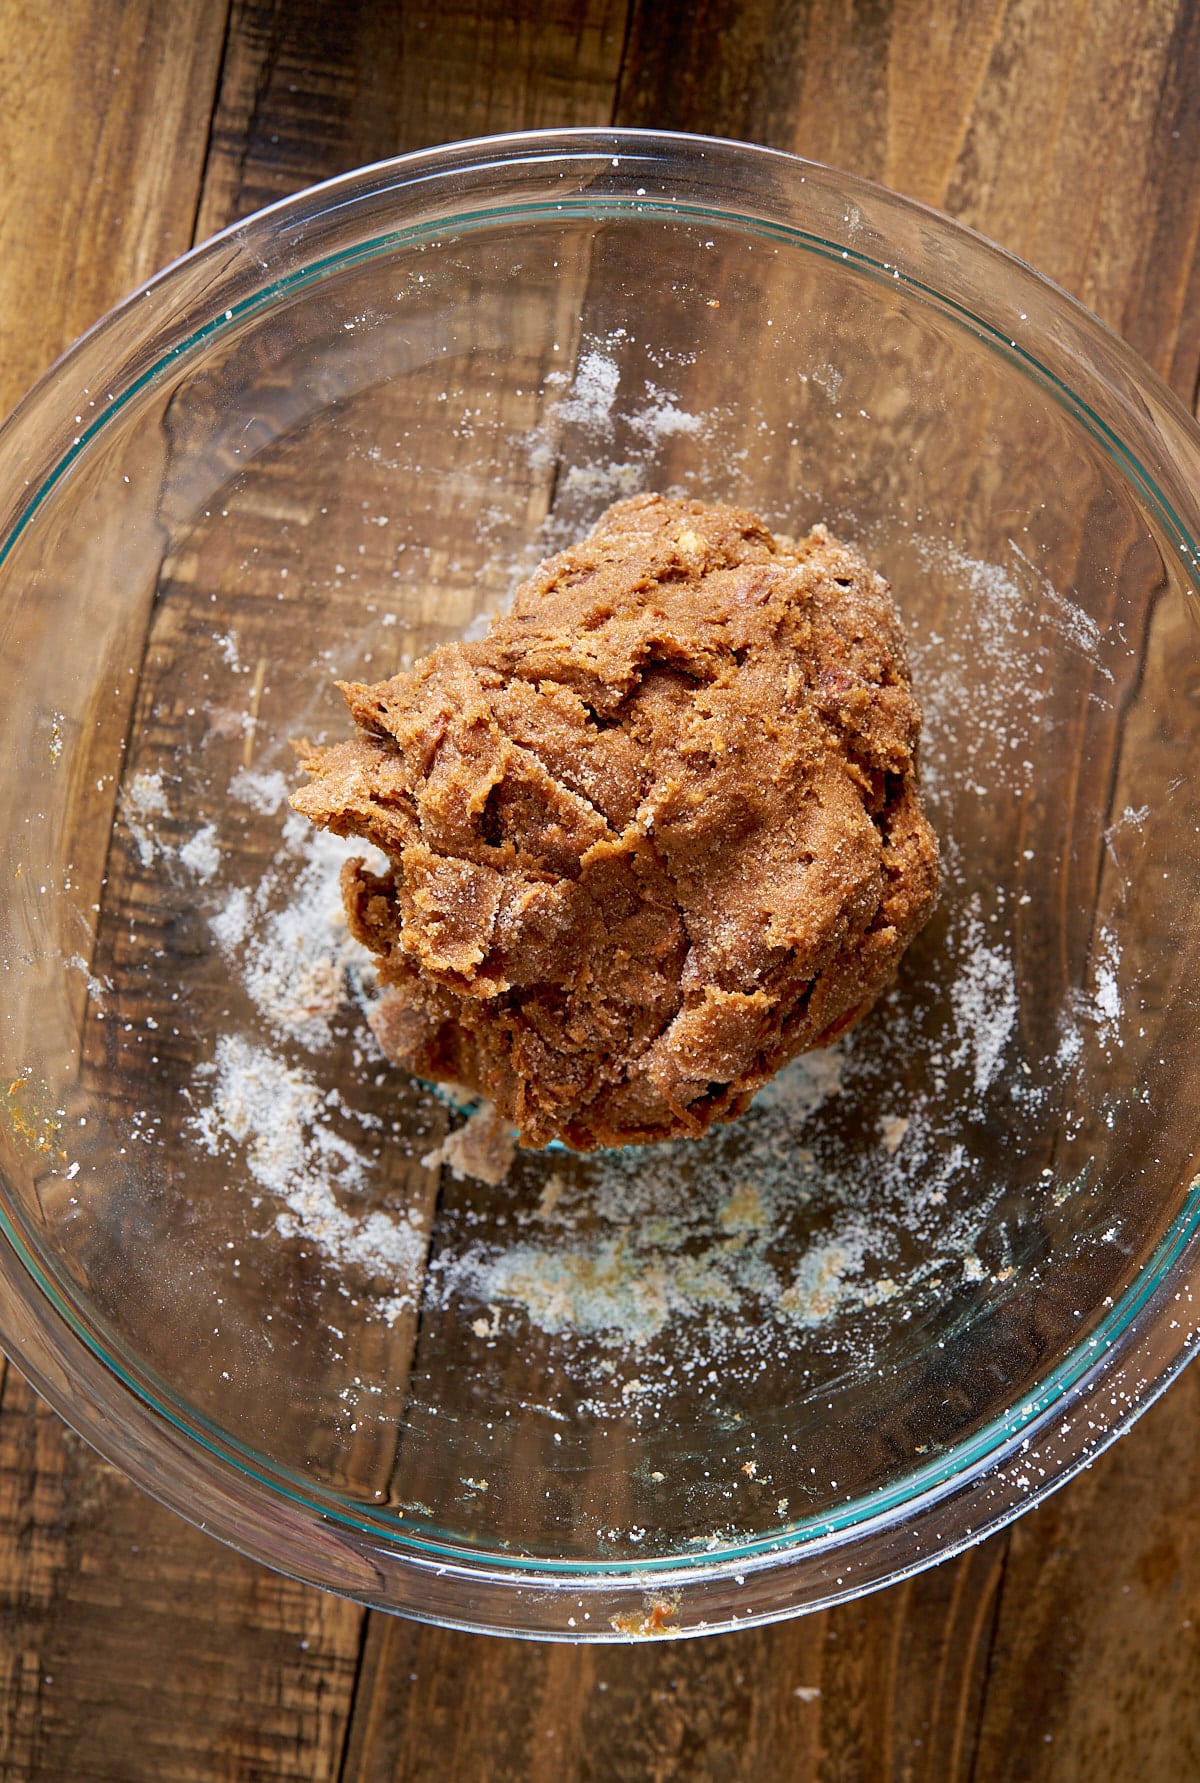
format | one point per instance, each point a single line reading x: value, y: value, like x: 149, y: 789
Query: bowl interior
x: 636, y: 1356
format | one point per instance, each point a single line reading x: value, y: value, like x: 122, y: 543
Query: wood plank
x: 751, y: 90
x: 836, y: 1697
x: 163, y: 1733
x: 103, y: 121
x: 133, y: 1649
x: 302, y: 101
x: 372, y: 445
x: 896, y: 93
x: 104, y: 115
x: 132, y: 1646
x: 1096, y: 1667
x: 1067, y: 134
x: 975, y: 110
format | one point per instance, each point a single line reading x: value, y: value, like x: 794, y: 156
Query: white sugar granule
x: 263, y: 792
x: 892, y: 1128
x: 662, y: 418
x: 804, y: 1084
x: 142, y: 800
x: 593, y: 391
x: 201, y: 855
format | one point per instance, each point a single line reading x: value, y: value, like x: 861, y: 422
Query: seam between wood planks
x: 989, y: 1666
x: 209, y: 141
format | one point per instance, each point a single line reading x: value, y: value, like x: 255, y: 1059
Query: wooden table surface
x: 1066, y: 1648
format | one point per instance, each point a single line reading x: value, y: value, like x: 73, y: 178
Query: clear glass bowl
x: 928, y: 1276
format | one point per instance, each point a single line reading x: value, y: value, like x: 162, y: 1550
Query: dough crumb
x: 482, y: 1148
x: 892, y: 1128
x: 655, y: 834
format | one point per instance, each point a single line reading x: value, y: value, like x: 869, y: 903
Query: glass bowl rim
x: 164, y: 1462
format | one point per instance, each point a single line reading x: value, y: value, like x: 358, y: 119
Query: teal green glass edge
x: 1003, y: 1430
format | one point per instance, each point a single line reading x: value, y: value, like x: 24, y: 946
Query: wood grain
x: 306, y: 95
x: 1065, y: 133
x: 833, y: 1697
x: 972, y: 114
x: 104, y: 114
x: 1097, y: 1657
x: 123, y: 1633
x: 131, y: 1647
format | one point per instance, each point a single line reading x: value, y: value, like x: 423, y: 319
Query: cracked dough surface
x: 656, y: 833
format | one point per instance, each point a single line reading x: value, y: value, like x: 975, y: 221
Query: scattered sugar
x: 739, y: 1247
x: 274, y: 1117
x: 227, y: 644
x: 200, y: 853
x: 1100, y: 1008
x: 1075, y: 624
x: 593, y: 391
x: 828, y: 378
x: 804, y: 1084
x: 142, y: 800
x: 818, y: 1285
x: 849, y: 1187
x: 606, y: 1289
x: 263, y: 792
x: 231, y: 923
x: 1070, y: 1046
x: 661, y: 418
x: 295, y: 958
x: 603, y: 484
x: 98, y: 987
x: 985, y: 1002
x: 1107, y: 1004
x: 977, y: 724
x: 744, y: 1211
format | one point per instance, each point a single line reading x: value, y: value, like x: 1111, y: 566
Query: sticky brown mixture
x: 655, y: 834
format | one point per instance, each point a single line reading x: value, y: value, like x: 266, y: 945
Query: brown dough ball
x: 657, y: 833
